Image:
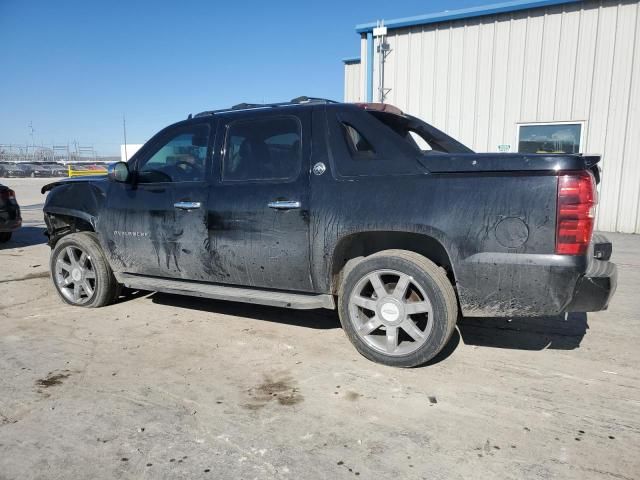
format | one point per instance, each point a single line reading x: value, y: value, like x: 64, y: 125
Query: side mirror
x: 118, y: 172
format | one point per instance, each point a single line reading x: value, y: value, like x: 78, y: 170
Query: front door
x: 156, y: 225
x: 259, y: 201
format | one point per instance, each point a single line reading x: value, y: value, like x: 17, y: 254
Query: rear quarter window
x: 363, y: 146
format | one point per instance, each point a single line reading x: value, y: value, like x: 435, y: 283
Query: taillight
x: 577, y: 199
x: 8, y: 194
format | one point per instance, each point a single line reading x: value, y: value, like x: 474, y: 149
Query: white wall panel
x: 455, y: 86
x: 441, y: 69
x: 566, y: 71
x: 515, y: 76
x: 500, y: 64
x: 484, y: 86
x: 414, y: 80
x: 598, y: 115
x: 531, y: 74
x: 618, y: 115
x: 352, y: 88
x: 428, y: 79
x: 471, y: 35
x: 549, y: 66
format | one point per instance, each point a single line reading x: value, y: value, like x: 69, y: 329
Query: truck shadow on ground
x: 562, y: 332
x: 315, y: 319
x: 24, y: 237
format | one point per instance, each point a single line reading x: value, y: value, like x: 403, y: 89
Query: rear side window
x: 358, y: 144
x: 262, y: 149
x: 420, y: 135
x: 418, y: 141
x: 363, y: 146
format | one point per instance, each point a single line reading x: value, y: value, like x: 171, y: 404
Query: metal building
x: 530, y: 76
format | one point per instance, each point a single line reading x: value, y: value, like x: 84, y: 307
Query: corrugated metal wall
x: 352, y: 88
x: 477, y: 79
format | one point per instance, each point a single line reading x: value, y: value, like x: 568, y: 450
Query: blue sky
x: 73, y: 68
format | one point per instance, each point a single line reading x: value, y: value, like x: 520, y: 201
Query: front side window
x: 262, y: 149
x: 181, y: 158
x: 550, y: 138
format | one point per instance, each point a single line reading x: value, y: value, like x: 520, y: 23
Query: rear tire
x: 80, y: 272
x: 5, y: 236
x: 405, y: 326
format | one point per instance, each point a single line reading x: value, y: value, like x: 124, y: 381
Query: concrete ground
x: 161, y: 386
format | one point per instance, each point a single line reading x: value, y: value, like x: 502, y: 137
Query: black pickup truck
x: 359, y: 207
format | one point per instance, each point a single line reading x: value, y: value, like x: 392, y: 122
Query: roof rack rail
x: 303, y: 100
x: 244, y: 106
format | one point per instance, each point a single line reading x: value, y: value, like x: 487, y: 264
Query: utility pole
x: 31, y: 132
x: 124, y: 128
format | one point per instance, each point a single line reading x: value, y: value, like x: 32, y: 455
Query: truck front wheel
x: 398, y: 308
x: 80, y: 271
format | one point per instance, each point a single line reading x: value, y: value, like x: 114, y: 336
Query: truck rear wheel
x: 398, y: 308
x: 81, y: 273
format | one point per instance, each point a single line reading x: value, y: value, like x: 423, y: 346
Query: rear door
x: 259, y: 201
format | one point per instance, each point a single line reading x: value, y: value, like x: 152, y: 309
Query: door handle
x: 284, y: 204
x: 187, y: 205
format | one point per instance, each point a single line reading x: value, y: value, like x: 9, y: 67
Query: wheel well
x: 367, y: 243
x: 60, y: 225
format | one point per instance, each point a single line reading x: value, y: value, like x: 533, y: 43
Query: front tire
x: 5, y: 236
x: 397, y: 308
x: 80, y: 272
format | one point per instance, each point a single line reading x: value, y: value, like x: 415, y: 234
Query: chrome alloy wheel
x: 391, y: 312
x: 75, y: 275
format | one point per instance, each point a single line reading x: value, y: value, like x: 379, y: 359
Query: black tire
x: 106, y: 289
x: 425, y: 275
x: 5, y: 236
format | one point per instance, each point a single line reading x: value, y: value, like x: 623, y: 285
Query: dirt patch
x: 352, y: 396
x: 53, y: 379
x: 281, y: 388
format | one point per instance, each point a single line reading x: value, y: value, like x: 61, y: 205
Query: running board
x: 299, y: 301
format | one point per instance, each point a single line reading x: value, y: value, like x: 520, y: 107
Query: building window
x: 562, y: 137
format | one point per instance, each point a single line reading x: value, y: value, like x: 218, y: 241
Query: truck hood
x: 64, y: 181
x: 436, y: 162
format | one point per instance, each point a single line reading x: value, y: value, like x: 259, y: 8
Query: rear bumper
x: 594, y: 290
x: 532, y: 285
x: 10, y: 218
x: 10, y: 225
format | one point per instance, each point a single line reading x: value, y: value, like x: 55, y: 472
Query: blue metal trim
x: 370, y: 66
x: 472, y: 12
x: 351, y: 60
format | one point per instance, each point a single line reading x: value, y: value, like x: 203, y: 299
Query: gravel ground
x: 160, y: 386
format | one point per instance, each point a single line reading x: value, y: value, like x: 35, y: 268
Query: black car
x: 10, y: 218
x: 49, y: 170
x: 33, y: 170
x: 15, y: 170
x: 317, y: 204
